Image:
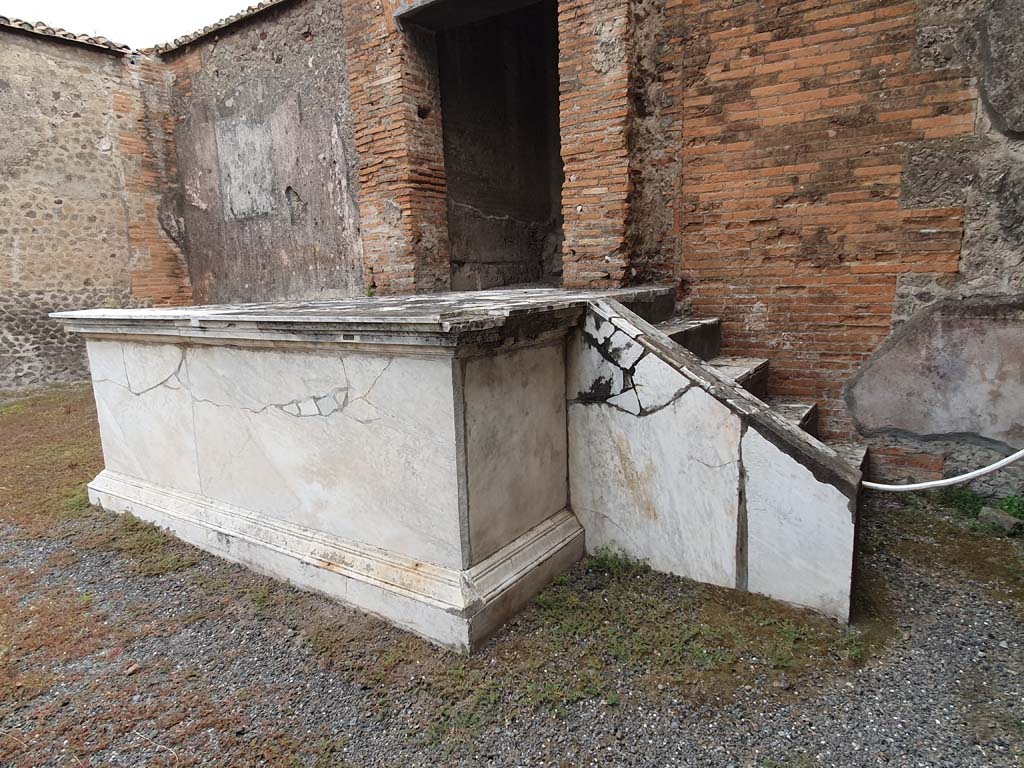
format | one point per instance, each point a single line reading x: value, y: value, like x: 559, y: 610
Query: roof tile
x: 45, y: 30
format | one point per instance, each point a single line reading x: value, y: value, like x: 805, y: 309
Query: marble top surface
x: 444, y: 310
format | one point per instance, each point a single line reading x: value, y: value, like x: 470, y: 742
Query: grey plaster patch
x: 955, y: 371
x: 245, y: 150
x: 266, y: 160
x: 1002, y: 75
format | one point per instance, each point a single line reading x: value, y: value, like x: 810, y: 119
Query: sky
x: 136, y: 23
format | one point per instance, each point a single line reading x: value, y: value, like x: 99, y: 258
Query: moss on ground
x: 610, y: 629
x: 938, y: 532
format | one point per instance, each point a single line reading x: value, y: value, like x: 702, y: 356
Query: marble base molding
x: 456, y: 608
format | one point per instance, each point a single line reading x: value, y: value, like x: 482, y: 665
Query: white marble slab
x: 345, y: 470
x: 657, y: 472
x: 146, y: 432
x: 800, y: 531
x: 661, y: 487
x: 423, y: 471
x: 515, y: 443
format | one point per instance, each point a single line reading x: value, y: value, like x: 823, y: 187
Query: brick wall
x: 402, y: 200
x: 797, y: 119
x: 83, y: 166
x: 145, y: 141
x: 594, y: 38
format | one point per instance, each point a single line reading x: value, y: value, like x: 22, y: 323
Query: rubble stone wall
x: 84, y: 163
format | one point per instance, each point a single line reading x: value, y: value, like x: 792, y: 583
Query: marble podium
x: 415, y: 456
x: 406, y: 456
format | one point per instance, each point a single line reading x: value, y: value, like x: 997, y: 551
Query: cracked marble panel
x: 152, y: 365
x: 258, y: 380
x: 590, y: 375
x: 356, y: 445
x: 800, y: 531
x: 147, y: 433
x: 661, y: 487
x: 342, y: 455
x: 623, y: 350
x: 106, y: 362
x: 657, y: 383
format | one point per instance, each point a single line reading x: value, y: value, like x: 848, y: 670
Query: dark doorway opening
x: 502, y: 152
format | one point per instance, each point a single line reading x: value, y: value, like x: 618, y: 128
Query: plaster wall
x: 268, y: 174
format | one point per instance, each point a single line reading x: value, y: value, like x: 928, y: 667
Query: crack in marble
x: 128, y: 387
x: 601, y: 383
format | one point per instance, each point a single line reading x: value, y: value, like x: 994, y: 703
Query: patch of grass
x: 960, y: 499
x: 939, y: 544
x: 985, y: 529
x: 1013, y: 505
x: 12, y: 407
x: 616, y: 564
x: 151, y: 551
x: 609, y: 629
x: 75, y: 502
x: 49, y: 450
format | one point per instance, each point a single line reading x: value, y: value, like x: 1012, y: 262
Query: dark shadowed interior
x: 499, y: 101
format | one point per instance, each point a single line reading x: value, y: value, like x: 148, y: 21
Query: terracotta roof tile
x: 45, y: 30
x: 180, y: 42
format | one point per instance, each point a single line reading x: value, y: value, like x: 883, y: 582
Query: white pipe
x: 946, y: 481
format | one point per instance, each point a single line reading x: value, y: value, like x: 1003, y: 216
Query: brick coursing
x: 146, y: 144
x: 593, y: 68
x: 402, y: 197
x: 797, y: 119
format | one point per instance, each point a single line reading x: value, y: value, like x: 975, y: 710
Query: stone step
x: 654, y: 303
x: 702, y: 336
x: 804, y: 415
x: 854, y: 453
x: 751, y: 373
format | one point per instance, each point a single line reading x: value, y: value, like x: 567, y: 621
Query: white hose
x: 946, y: 481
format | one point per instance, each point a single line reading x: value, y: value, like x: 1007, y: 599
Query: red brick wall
x: 797, y: 118
x: 146, y: 144
x: 402, y: 196
x: 593, y: 67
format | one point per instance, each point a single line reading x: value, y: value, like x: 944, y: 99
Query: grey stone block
x: 1003, y: 521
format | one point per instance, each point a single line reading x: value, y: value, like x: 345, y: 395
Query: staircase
x: 703, y: 337
x: 678, y: 456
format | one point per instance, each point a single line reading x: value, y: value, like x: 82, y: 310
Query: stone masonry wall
x: 955, y: 359
x: 798, y: 118
x: 83, y: 163
x: 403, y: 198
x: 268, y: 202
x: 849, y: 167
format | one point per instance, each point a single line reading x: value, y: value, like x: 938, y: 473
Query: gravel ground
x: 111, y: 657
